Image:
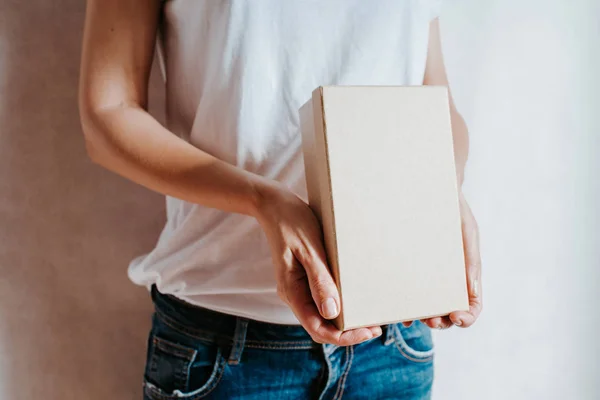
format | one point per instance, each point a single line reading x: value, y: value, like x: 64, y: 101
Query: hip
x: 195, y: 353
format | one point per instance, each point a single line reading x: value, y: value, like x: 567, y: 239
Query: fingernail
x: 329, y: 308
x: 475, y: 287
x: 378, y: 332
x: 458, y: 322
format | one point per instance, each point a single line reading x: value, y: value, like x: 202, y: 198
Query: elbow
x: 93, y: 134
x: 93, y: 151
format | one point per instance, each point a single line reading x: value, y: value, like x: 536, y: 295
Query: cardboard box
x: 381, y: 178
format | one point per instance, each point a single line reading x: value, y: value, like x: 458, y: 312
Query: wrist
x: 460, y: 177
x: 262, y: 194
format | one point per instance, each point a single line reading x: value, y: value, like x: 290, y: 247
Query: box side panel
x: 307, y: 128
x: 326, y: 206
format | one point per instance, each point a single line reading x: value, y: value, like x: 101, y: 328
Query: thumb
x: 322, y: 287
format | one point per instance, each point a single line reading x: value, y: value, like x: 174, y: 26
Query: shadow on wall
x: 72, y: 326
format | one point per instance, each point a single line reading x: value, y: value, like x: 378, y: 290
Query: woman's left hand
x: 470, y: 234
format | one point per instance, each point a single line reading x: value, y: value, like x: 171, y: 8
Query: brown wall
x: 71, y: 324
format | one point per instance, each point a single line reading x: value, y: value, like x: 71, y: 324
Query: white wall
x: 525, y: 74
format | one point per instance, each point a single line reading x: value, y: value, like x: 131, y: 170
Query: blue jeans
x: 195, y: 353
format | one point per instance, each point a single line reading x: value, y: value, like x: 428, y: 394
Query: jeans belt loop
x: 239, y: 340
x: 388, y: 335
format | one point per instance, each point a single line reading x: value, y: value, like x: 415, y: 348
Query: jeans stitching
x: 427, y: 359
x: 176, y: 349
x: 156, y: 393
x: 197, y: 333
x: 348, y: 370
x: 335, y: 396
x: 299, y: 342
x: 342, y: 384
x: 222, y: 365
x: 276, y: 347
x: 405, y: 354
x: 172, y: 349
x: 329, y: 373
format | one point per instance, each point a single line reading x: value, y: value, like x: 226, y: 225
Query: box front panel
x: 395, y: 201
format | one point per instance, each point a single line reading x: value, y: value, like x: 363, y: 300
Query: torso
x: 236, y: 74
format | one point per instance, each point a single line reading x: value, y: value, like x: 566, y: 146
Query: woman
x: 238, y: 277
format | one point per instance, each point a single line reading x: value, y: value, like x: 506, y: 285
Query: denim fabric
x: 195, y: 353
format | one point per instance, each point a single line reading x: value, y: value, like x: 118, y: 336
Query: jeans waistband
x: 236, y: 332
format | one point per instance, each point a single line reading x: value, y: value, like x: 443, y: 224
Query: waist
x: 216, y: 327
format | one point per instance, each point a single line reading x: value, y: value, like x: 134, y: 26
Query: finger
x: 445, y: 323
x: 433, y: 323
x: 376, y: 330
x: 467, y: 318
x: 322, y: 331
x: 323, y: 290
x: 407, y: 324
x: 470, y: 233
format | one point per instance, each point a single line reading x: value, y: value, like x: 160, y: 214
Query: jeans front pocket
x: 177, y: 370
x: 415, y: 342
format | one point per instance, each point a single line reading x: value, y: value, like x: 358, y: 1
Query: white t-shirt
x: 236, y: 73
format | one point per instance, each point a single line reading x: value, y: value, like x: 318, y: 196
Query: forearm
x: 460, y: 135
x: 128, y: 141
x: 120, y: 135
x: 435, y: 74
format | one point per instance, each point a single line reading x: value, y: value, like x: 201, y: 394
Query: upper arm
x: 118, y: 47
x: 435, y: 70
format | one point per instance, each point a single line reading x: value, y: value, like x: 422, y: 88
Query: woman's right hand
x: 304, y: 281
